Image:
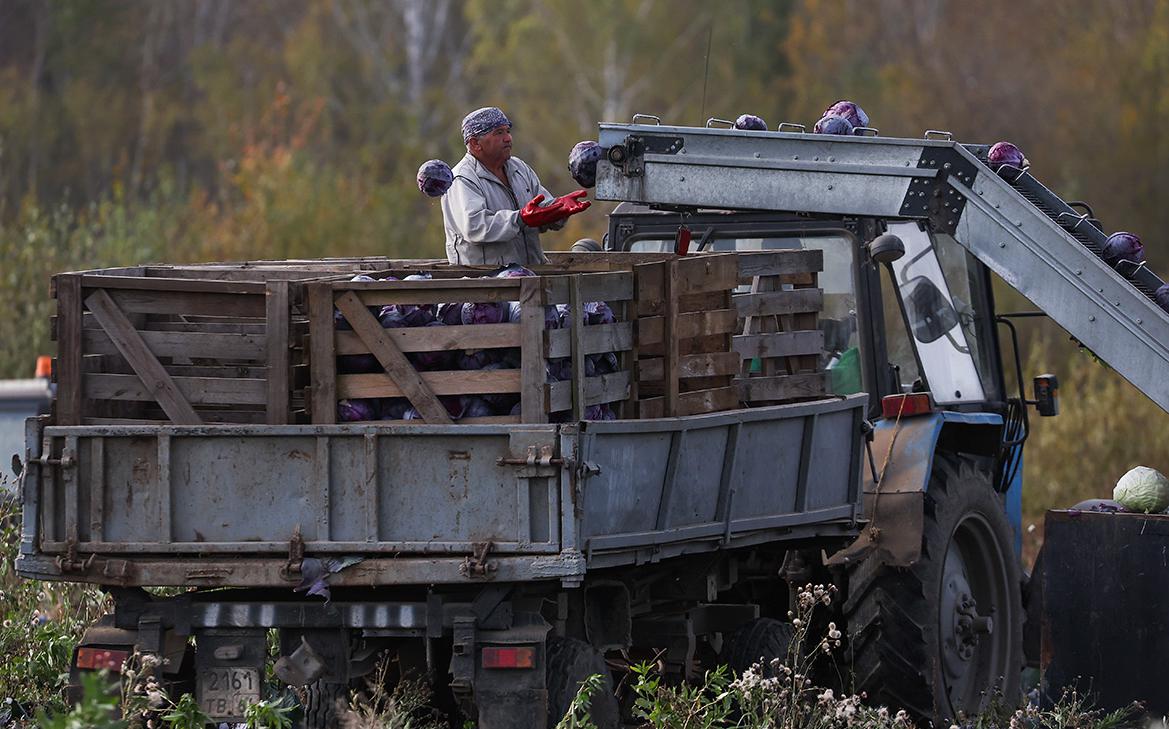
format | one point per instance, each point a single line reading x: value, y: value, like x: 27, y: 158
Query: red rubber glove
x: 535, y: 216
x: 571, y: 204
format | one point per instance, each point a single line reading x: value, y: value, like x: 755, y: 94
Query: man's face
x: 494, y: 147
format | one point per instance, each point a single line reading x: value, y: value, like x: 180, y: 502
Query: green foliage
x: 266, y: 714
x: 98, y: 708
x: 577, y: 716
x: 39, y: 625
x: 186, y: 714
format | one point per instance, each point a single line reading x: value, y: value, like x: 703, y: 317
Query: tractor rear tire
x: 943, y: 636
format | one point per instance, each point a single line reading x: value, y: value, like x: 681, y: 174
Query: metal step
x: 1036, y: 242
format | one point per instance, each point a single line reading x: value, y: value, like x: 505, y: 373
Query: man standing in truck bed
x: 481, y: 212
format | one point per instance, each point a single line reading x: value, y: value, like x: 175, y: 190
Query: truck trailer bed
x: 243, y: 505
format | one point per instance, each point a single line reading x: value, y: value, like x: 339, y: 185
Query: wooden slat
x: 532, y: 363
x: 693, y: 345
x: 189, y: 303
x: 702, y: 274
x: 595, y: 338
x: 439, y: 339
x: 392, y: 359
x: 165, y: 285
x: 322, y: 357
x: 68, y: 366
x: 773, y: 263
x: 763, y: 324
x: 693, y: 403
x: 150, y: 372
x: 787, y: 387
x: 278, y: 351
x: 670, y: 353
x: 471, y: 382
x: 779, y: 302
x: 779, y: 344
x: 612, y: 287
x: 612, y: 387
x: 105, y: 364
x: 710, y: 364
x: 183, y: 344
x: 204, y: 326
x: 687, y: 325
x: 576, y: 330
x: 192, y: 390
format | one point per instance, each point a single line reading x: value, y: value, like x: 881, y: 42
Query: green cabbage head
x: 1143, y: 489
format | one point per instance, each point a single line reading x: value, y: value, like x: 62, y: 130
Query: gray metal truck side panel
x: 226, y: 503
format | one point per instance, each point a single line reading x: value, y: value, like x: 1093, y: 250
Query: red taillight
x: 518, y: 657
x: 911, y: 403
x: 96, y: 659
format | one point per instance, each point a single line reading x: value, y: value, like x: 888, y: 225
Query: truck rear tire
x: 943, y: 636
x: 324, y: 704
x: 570, y: 662
x: 761, y: 641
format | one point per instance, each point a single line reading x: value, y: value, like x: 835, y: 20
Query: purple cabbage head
x: 477, y: 359
x: 563, y: 313
x: 1123, y: 246
x: 558, y: 370
x: 363, y: 277
x: 852, y: 112
x: 582, y: 162
x: 516, y: 410
x: 435, y: 178
x: 431, y: 361
x: 599, y: 412
x: 356, y: 364
x: 1161, y: 296
x: 450, y: 314
x: 483, y: 313
x: 514, y: 313
x: 390, y: 317
x: 349, y: 411
x: 340, y: 323
x: 551, y: 317
x: 598, y: 312
x: 750, y: 122
x: 472, y: 406
x: 1005, y: 153
x: 514, y: 270
x: 416, y: 315
x: 601, y: 364
x: 394, y: 408
x: 833, y: 124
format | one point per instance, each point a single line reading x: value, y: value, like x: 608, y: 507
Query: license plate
x: 225, y: 693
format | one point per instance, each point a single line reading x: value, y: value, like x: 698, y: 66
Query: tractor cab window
x: 933, y: 291
x: 837, y: 319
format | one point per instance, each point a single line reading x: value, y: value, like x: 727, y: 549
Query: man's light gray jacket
x: 482, y: 218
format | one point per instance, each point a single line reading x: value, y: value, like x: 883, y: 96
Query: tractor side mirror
x: 1047, y: 395
x: 886, y: 248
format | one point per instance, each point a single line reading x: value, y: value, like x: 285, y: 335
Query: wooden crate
x: 685, y: 325
x: 136, y: 348
x: 780, y: 341
x: 539, y: 400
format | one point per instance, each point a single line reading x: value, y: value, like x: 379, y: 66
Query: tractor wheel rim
x: 973, y: 604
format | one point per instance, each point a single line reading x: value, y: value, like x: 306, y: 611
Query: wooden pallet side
x: 781, y: 343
